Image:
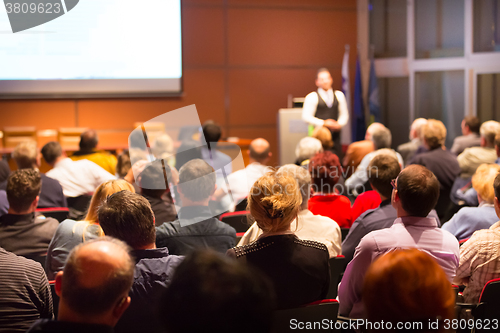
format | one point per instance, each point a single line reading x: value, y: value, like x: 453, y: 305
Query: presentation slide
x: 90, y: 46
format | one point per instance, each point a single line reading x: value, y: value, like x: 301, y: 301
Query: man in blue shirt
x: 128, y: 217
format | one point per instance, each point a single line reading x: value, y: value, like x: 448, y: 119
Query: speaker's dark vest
x: 324, y: 112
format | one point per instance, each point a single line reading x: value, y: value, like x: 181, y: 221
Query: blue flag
x: 358, y: 119
x: 373, y: 99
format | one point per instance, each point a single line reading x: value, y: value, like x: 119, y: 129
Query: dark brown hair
x: 23, y: 186
x: 382, y: 169
x: 473, y: 123
x: 418, y: 189
x: 128, y: 217
x: 211, y: 293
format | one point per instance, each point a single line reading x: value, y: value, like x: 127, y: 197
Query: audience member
x: 210, y: 293
x: 241, y: 181
x: 307, y: 148
x: 359, y: 149
x: 470, y: 135
x: 415, y: 193
x: 409, y: 288
x: 472, y: 157
x: 76, y: 177
x: 469, y: 219
x: 128, y: 217
x: 123, y: 165
x: 196, y: 226
x: 480, y: 256
x: 324, y: 135
x: 70, y: 233
x: 326, y: 171
x: 93, y: 288
x: 365, y: 201
x: 440, y: 162
x: 408, y: 150
x: 88, y: 145
x: 212, y: 133
x: 221, y: 163
x: 381, y: 139
x: 24, y: 293
x: 306, y: 226
x: 298, y: 269
x: 27, y: 156
x: 154, y: 184
x: 469, y: 196
x: 4, y: 203
x: 20, y: 231
x: 4, y: 174
x: 382, y: 169
x: 163, y: 149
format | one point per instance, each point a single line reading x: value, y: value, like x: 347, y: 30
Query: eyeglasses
x: 393, y: 183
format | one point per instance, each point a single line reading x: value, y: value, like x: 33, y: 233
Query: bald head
x: 372, y: 129
x: 97, y: 276
x: 88, y: 140
x: 259, y: 150
x: 416, y: 128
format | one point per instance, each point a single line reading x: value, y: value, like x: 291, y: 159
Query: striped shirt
x: 479, y: 262
x: 24, y: 293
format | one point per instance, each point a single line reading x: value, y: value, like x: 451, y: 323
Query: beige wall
x: 241, y: 60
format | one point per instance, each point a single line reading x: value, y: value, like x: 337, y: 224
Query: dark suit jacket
x: 195, y: 228
x: 298, y: 268
x: 445, y: 166
x: 51, y: 194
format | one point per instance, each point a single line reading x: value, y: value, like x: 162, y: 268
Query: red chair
x: 337, y: 268
x: 320, y: 311
x: 460, y: 243
x: 237, y: 220
x: 58, y: 213
x: 489, y: 305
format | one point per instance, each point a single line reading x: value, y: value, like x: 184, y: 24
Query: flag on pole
x: 346, y: 89
x: 373, y: 98
x: 358, y: 113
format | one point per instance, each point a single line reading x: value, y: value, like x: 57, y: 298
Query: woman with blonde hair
x: 298, y: 268
x: 469, y: 219
x: 70, y: 233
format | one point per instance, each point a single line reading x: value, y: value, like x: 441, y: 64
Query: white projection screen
x: 90, y: 48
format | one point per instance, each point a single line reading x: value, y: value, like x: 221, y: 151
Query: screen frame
x: 110, y: 93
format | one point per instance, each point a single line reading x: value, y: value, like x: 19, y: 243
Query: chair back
x: 58, y: 213
x: 78, y: 206
x: 321, y: 311
x: 12, y: 136
x: 237, y: 220
x: 337, y: 268
x: 69, y: 137
x: 489, y: 304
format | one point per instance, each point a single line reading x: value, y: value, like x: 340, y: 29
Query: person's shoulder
x: 310, y: 244
x: 169, y: 228
x: 15, y: 264
x: 312, y: 95
x: 47, y: 221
